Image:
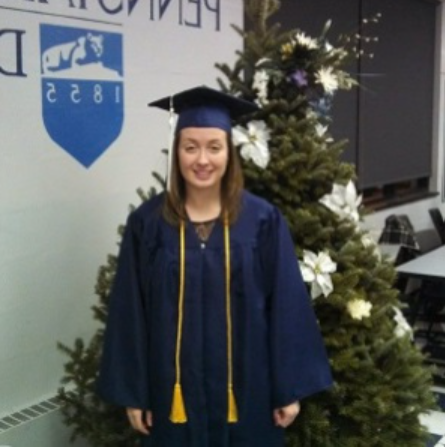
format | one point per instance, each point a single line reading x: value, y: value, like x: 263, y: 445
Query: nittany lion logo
x: 86, y: 49
x: 82, y: 89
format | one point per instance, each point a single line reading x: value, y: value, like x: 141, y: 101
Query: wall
x: 77, y: 140
x: 418, y: 211
x: 47, y: 431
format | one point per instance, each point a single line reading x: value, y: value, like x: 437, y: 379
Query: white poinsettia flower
x: 343, y: 201
x: 359, y: 309
x: 260, y: 81
x: 306, y: 41
x: 253, y: 141
x: 402, y: 326
x: 328, y: 79
x: 316, y: 270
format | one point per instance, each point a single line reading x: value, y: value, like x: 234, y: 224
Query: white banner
x: 77, y: 139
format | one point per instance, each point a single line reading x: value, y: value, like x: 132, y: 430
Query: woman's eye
x: 190, y: 148
x: 215, y: 148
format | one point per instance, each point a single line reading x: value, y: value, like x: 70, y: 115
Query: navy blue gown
x: 278, y: 352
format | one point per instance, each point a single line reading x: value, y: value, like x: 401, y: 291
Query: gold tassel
x: 233, y: 411
x: 177, y: 415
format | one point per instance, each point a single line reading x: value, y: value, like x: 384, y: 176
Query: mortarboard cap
x: 205, y: 107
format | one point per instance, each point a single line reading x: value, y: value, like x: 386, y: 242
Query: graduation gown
x: 278, y: 352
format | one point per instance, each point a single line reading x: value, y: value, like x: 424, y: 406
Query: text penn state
x: 193, y: 13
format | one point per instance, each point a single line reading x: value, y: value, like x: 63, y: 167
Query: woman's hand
x: 283, y: 417
x: 137, y: 421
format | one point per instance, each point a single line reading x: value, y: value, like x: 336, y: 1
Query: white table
x: 430, y: 265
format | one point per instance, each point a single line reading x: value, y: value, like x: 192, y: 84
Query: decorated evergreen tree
x: 381, y: 386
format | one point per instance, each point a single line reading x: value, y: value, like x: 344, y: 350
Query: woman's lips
x: 203, y: 175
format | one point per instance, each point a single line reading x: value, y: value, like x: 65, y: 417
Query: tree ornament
x: 316, y: 270
x: 253, y: 141
x: 260, y: 81
x: 359, y: 309
x: 327, y: 78
x: 343, y: 201
x: 402, y: 326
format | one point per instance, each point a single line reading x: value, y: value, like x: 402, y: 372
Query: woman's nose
x: 202, y: 156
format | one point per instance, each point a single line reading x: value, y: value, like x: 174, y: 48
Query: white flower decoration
x: 343, y: 201
x: 260, y: 81
x: 253, y: 142
x: 306, y: 41
x: 359, y: 309
x: 317, y: 269
x: 321, y: 130
x: 402, y: 326
x: 369, y: 241
x: 262, y: 61
x: 327, y: 78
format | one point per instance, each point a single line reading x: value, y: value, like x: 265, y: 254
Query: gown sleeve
x: 123, y: 371
x: 300, y: 366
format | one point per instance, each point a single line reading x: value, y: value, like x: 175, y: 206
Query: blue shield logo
x: 82, y: 89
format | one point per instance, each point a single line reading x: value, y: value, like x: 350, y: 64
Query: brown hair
x: 232, y: 185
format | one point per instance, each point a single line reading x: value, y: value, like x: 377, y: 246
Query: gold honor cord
x: 232, y: 415
x: 178, y: 414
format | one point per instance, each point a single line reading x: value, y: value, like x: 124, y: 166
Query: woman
x: 211, y: 340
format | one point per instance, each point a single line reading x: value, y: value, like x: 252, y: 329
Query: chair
x: 438, y: 222
x: 399, y: 230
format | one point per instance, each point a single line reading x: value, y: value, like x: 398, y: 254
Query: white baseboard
x: 45, y: 431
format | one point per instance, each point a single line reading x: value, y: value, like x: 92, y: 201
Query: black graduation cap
x: 205, y: 107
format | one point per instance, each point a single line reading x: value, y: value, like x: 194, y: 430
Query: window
x: 389, y: 119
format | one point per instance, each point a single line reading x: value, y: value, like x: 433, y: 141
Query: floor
x: 435, y: 421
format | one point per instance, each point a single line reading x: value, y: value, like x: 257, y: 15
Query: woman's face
x: 203, y: 155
